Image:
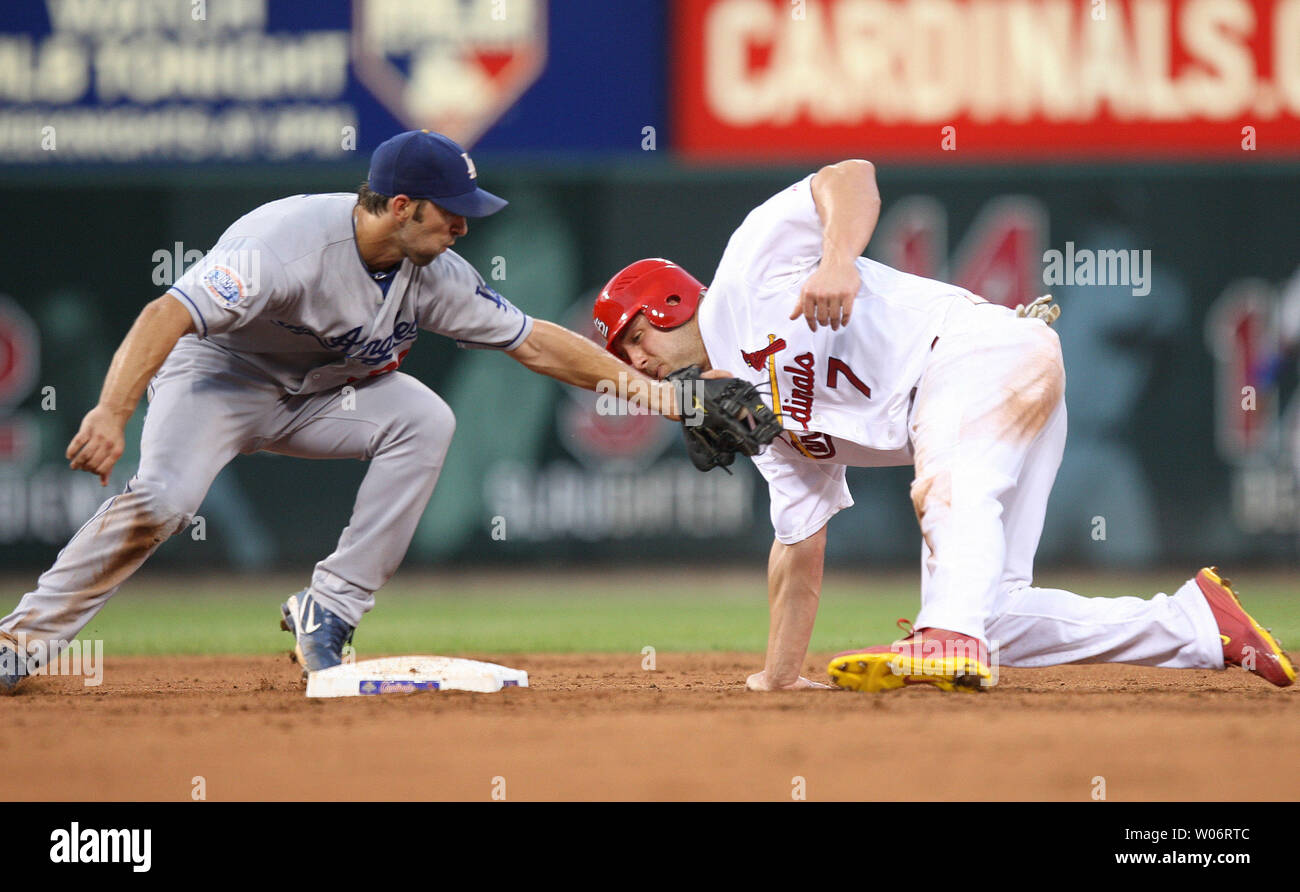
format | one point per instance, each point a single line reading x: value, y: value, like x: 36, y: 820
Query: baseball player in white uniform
x: 286, y: 338
x: 887, y: 368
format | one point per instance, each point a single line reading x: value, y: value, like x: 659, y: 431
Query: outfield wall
x: 1183, y: 442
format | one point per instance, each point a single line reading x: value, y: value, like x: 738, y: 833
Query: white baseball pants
x: 988, y: 430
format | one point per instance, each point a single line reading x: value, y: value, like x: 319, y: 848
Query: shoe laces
x: 338, y: 630
x: 905, y: 626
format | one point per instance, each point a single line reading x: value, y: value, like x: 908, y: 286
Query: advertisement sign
x: 969, y: 80
x: 235, y: 81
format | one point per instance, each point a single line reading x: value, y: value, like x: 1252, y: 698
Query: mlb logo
x: 453, y: 67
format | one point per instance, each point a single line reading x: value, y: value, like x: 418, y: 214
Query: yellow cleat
x: 929, y: 661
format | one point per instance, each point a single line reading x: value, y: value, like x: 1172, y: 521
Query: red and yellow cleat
x: 945, y: 660
x: 1245, y: 642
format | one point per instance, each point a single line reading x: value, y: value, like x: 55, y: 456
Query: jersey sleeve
x: 779, y: 240
x: 232, y: 284
x: 457, y: 303
x: 804, y: 494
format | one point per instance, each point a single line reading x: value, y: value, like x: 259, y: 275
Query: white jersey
x: 842, y: 396
x: 285, y: 290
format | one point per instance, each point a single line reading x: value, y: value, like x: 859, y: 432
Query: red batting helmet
x: 666, y: 293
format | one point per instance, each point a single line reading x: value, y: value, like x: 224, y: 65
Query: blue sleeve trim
x: 504, y: 345
x: 197, y: 312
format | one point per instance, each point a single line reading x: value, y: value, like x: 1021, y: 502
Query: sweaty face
x: 433, y: 232
x: 656, y: 352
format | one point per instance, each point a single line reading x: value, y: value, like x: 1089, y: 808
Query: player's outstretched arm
x: 794, y: 583
x: 100, y: 441
x: 848, y: 203
x: 553, y: 350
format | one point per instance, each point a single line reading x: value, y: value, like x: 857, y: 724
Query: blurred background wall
x: 1014, y: 139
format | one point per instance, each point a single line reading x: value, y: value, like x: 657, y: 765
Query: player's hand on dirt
x: 758, y: 682
x: 98, y: 444
x: 827, y: 296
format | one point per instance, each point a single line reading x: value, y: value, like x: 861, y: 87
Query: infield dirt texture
x: 599, y: 726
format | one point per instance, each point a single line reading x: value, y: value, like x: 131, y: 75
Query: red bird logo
x: 758, y: 358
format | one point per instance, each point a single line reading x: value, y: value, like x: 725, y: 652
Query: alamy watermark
x: 230, y: 276
x: 76, y: 845
x: 1084, y: 266
x: 944, y: 657
x: 618, y: 397
x: 54, y: 657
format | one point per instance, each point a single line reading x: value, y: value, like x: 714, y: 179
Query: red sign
x: 983, y: 80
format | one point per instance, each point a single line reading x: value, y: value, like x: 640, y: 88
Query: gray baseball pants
x: 205, y: 408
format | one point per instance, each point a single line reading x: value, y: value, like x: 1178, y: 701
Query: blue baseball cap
x: 423, y: 164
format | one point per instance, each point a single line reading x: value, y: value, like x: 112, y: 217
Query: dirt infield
x: 599, y: 727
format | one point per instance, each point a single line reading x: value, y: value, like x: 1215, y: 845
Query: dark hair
x: 374, y: 203
x: 371, y: 202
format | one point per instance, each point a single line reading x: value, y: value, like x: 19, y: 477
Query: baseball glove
x: 720, y: 417
x: 1039, y: 308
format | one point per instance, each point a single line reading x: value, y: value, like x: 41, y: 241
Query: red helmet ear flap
x: 666, y: 293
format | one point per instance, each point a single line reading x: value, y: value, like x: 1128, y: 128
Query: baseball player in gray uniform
x: 286, y: 338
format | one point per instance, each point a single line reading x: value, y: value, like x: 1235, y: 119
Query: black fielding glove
x: 720, y: 417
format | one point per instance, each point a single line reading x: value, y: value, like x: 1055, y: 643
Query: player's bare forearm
x: 99, y: 442
x: 555, y: 351
x: 848, y: 204
x: 143, y: 351
x: 794, y: 581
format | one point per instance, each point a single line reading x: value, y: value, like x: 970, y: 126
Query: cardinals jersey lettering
x: 842, y: 396
x: 854, y: 383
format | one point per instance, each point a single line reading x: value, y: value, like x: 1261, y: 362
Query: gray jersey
x: 285, y: 290
x: 285, y: 313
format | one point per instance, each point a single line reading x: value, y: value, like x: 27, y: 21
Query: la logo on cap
x: 427, y: 165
